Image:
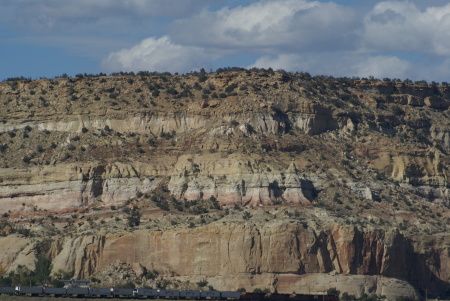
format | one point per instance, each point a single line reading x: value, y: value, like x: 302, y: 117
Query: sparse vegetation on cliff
x: 314, y: 152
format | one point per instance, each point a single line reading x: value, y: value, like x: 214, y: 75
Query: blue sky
x: 396, y: 39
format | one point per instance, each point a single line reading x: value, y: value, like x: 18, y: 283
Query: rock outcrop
x: 285, y: 252
x: 358, y: 169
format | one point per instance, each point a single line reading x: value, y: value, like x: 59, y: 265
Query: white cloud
x: 300, y: 35
x: 402, y: 26
x: 381, y: 66
x: 339, y: 65
x: 269, y: 26
x: 158, y: 55
x: 362, y: 65
x: 290, y: 26
x: 386, y: 39
x: 288, y: 62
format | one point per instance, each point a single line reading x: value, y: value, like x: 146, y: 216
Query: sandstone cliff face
x: 354, y: 152
x: 237, y: 181
x: 71, y: 186
x: 233, y: 181
x: 232, y: 255
x: 15, y: 251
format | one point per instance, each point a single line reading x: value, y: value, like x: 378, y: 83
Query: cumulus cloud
x: 381, y: 66
x: 339, y: 65
x: 319, y: 37
x: 402, y: 26
x: 362, y: 65
x: 158, y: 55
x: 269, y: 25
x: 380, y: 38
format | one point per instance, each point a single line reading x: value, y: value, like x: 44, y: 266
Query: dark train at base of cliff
x: 143, y: 293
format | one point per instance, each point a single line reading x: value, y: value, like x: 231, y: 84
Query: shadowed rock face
x: 370, y: 160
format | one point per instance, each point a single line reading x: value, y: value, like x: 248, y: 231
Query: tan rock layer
x: 243, y: 251
x: 240, y: 180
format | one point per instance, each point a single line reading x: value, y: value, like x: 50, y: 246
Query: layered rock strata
x: 366, y: 152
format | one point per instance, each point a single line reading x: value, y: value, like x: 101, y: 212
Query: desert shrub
x: 23, y: 231
x: 261, y: 291
x: 197, y: 86
x: 214, y: 203
x: 172, y: 91
x: 134, y: 218
x: 152, y: 275
x: 346, y: 297
x: 333, y: 291
x: 202, y: 283
x: 246, y: 215
x: 168, y: 135
x: 113, y: 95
x: 128, y: 284
x: 162, y: 284
x: 163, y: 204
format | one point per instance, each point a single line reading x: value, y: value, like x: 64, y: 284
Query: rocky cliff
x: 337, y: 177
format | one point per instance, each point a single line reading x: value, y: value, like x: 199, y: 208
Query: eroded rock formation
x: 349, y: 178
